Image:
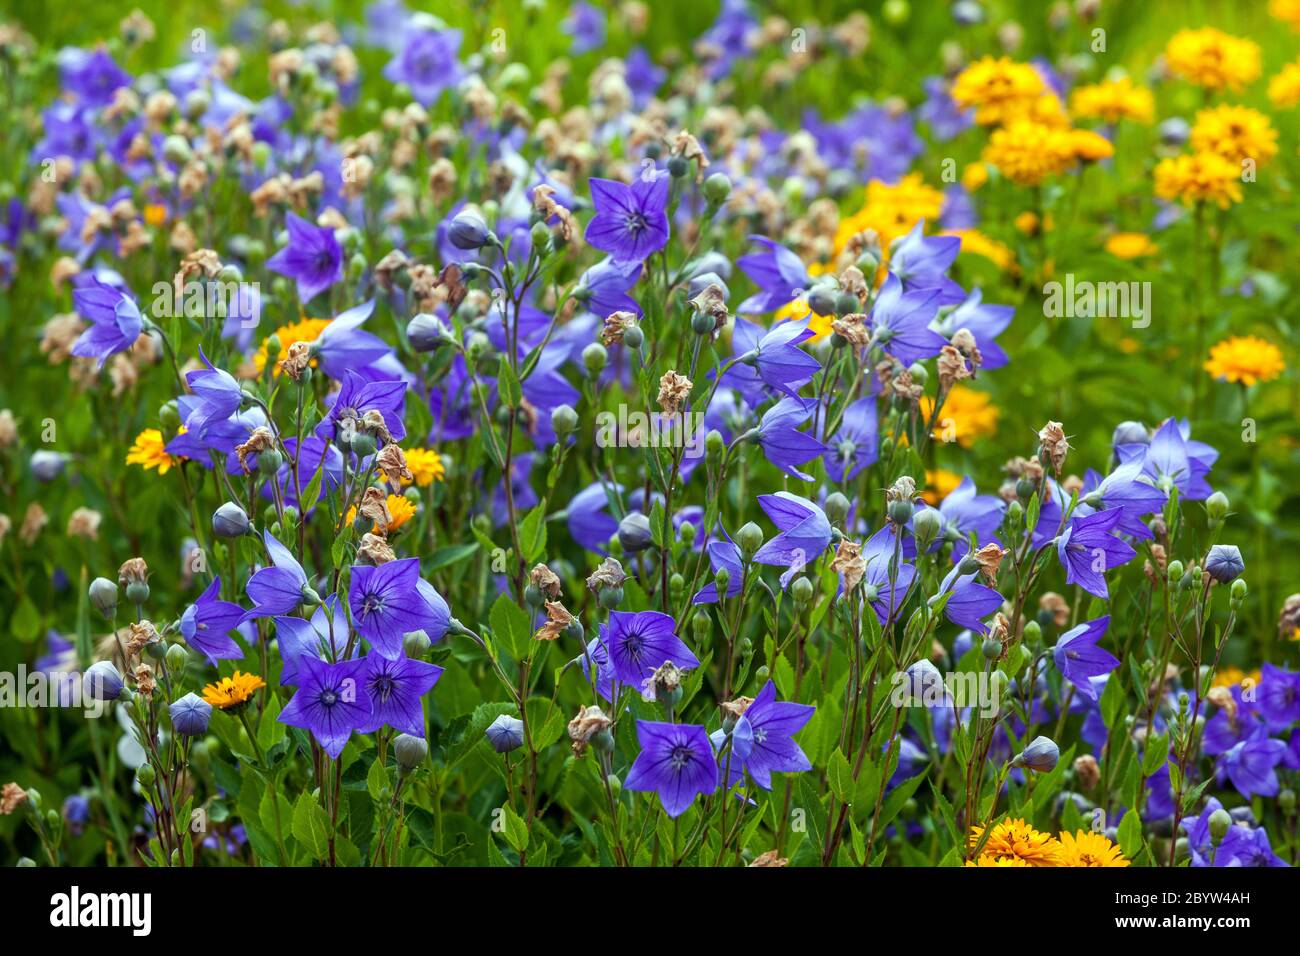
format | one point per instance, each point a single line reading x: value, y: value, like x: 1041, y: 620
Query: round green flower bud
x: 409, y: 751
x: 801, y: 590
x: 991, y: 648
x: 594, y: 357
x: 750, y: 539
x: 1220, y: 821
x: 176, y: 658
x: 633, y: 337
x: 169, y: 417
x: 717, y: 188
x: 103, y: 596
x: 714, y: 443
x: 686, y: 533
x: 1216, y: 506
x: 1174, y: 572
x: 920, y: 374
x: 416, y: 644
x: 146, y: 775
x: 836, y: 508
x: 1239, y: 589
x: 564, y: 420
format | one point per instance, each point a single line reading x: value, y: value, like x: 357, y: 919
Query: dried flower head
x: 674, y: 389
x: 546, y: 581
x: 557, y: 619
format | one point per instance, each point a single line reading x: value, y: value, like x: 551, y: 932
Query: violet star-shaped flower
x: 922, y: 262
x: 970, y: 602
x: 804, y: 529
x: 984, y: 322
x: 1079, y: 659
x: 1087, y: 549
x: 277, y: 589
x: 885, y: 587
x: 344, y: 346
x: 779, y: 274
x: 1252, y: 764
x: 396, y: 687
x: 428, y: 64
x: 219, y: 396
x: 723, y: 554
x: 782, y: 442
x: 779, y: 361
x: 324, y: 636
x: 115, y: 320
x: 313, y: 258
x: 854, y: 445
x: 207, y: 623
x: 763, y: 739
x: 676, y: 761
x: 387, y: 604
x: 331, y: 701
x: 630, y: 221
x: 639, y: 643
x: 900, y: 322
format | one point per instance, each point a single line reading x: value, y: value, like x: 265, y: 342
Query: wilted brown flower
x: 588, y: 722
x: 848, y: 562
x: 259, y: 440
x: 557, y: 619
x: 608, y: 575
x: 770, y: 858
x: 391, y: 461
x: 545, y: 580
x: 374, y: 505
x: 712, y: 302
x: 144, y: 681
x: 1055, y: 605
x: 674, y: 389
x: 1055, y: 446
x: 374, y: 550
x: 854, y: 328
x: 989, y: 559
x: 616, y: 323
x: 11, y: 798
x: 84, y: 523
x: 1086, y: 772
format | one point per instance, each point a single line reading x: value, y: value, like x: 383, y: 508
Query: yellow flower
x: 1085, y: 848
x: 1212, y: 59
x: 997, y: 89
x: 233, y: 691
x: 1199, y: 177
x: 939, y: 484
x: 1288, y: 11
x: 1027, y: 152
x: 966, y: 415
x: 155, y: 214
x: 149, y: 450
x: 426, y: 466
x: 986, y: 860
x: 1245, y: 358
x: 304, y: 330
x: 1090, y: 147
x: 974, y: 176
x: 1284, y: 89
x: 1017, y: 839
x: 1235, y: 133
x: 975, y: 242
x: 1112, y: 101
x: 400, y: 510
x: 891, y: 210
x: 1130, y: 245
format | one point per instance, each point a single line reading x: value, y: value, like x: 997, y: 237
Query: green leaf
x: 311, y: 826
x: 514, y: 829
x: 532, y: 533
x: 1130, y: 834
x: 378, y: 784
x: 511, y: 627
x: 508, y: 385
x: 445, y: 557
x: 26, y: 622
x: 1156, y: 754
x: 269, y: 729
x: 839, y: 776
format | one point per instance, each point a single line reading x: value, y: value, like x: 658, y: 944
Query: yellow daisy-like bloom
x: 891, y: 210
x: 400, y: 510
x: 1235, y: 133
x: 986, y: 860
x: 1090, y: 147
x: 426, y: 466
x: 1199, y: 177
x: 1212, y: 59
x: 997, y: 89
x: 155, y: 214
x: 304, y: 330
x: 233, y: 691
x: 1112, y: 101
x: 1045, y: 110
x: 939, y: 484
x: 966, y: 415
x: 1085, y: 848
x: 1236, y: 677
x: 1027, y: 152
x: 1288, y: 11
x: 149, y: 450
x: 974, y: 176
x: 1245, y: 358
x: 975, y: 242
x: 1284, y: 89
x: 1015, y: 838
x: 1131, y: 245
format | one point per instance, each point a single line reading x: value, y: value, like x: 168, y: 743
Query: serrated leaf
x: 511, y: 627
x: 514, y: 829
x: 532, y: 533
x: 311, y: 827
x: 508, y: 384
x: 839, y: 776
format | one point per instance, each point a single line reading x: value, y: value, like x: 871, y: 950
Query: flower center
x: 328, y: 698
x: 681, y: 756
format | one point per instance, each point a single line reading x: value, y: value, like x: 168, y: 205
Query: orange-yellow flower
x: 1284, y: 89
x: 1131, y: 245
x: 1112, y: 101
x: 1212, y: 59
x: 1199, y: 177
x: 1247, y: 359
x: 966, y: 415
x: 1085, y: 848
x: 304, y: 330
x: 426, y: 466
x: 975, y: 242
x: 233, y: 691
x: 149, y: 450
x: 1235, y: 133
x: 1016, y: 839
x: 400, y: 511
x: 939, y: 483
x: 1027, y: 152
x: 997, y: 89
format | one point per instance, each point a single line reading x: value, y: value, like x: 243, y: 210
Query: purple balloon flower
x: 762, y: 740
x: 723, y: 555
x: 344, y: 346
x: 922, y: 263
x: 779, y: 274
x: 676, y: 761
x: 387, y: 604
x: 805, y: 533
x: 639, y: 643
x: 900, y: 321
x: 970, y: 602
x: 395, y: 687
x: 277, y: 589
x: 779, y: 436
x: 780, y: 363
x: 1079, y: 659
x: 428, y: 64
x: 115, y: 320
x: 886, y: 587
x: 985, y: 322
x: 313, y: 258
x: 1087, y: 549
x: 854, y: 445
x: 207, y: 623
x: 331, y: 701
x: 1279, y: 696
x: 219, y: 396
x: 1252, y: 764
x: 630, y: 221
x: 325, y: 637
